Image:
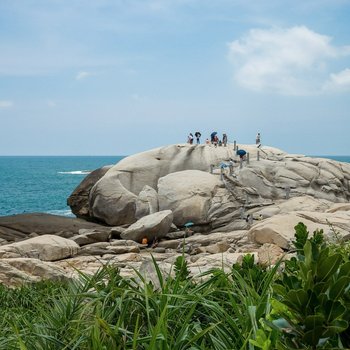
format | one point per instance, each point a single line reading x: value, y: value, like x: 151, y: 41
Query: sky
x: 116, y: 77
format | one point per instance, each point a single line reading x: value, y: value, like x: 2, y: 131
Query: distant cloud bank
x: 292, y: 61
x: 6, y: 104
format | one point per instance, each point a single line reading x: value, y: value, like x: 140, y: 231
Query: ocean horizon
x: 43, y: 183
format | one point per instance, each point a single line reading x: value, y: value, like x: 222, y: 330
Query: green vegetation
x: 303, y: 303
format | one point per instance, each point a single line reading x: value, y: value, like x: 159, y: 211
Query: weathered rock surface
x: 17, y: 227
x: 153, y: 226
x: 120, y: 196
x: 46, y: 247
x: 269, y: 254
x: 15, y: 272
x: 147, y: 202
x: 88, y: 236
x: 114, y: 197
x: 188, y: 194
x: 79, y: 199
x: 279, y: 229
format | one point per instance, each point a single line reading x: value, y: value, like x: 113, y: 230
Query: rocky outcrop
x: 46, y: 247
x: 151, y: 227
x: 133, y: 187
x: 235, y: 208
x: 114, y: 197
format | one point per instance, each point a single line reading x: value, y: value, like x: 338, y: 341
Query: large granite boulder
x: 79, y: 199
x: 153, y: 226
x: 114, y: 197
x: 188, y: 194
x: 119, y: 197
x: 46, y: 247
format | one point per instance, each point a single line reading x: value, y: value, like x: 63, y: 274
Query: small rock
x: 159, y: 250
x: 123, y: 250
x: 269, y: 254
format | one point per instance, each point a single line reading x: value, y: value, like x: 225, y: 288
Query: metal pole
x: 287, y: 192
x: 234, y: 145
x: 241, y: 163
x: 221, y: 173
x: 258, y: 155
x: 211, y: 168
x: 247, y: 157
x: 241, y: 213
x: 231, y: 169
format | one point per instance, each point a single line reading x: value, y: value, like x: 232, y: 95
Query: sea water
x: 43, y: 184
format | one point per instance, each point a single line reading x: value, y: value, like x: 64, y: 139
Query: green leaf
x: 338, y: 288
x: 308, y: 254
x: 314, y: 321
x: 320, y: 287
x: 301, y: 235
x: 344, y: 270
x: 336, y: 327
x: 297, y: 300
x: 327, y: 267
x: 313, y: 336
x: 333, y: 309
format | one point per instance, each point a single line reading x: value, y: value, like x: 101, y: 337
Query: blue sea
x: 43, y: 184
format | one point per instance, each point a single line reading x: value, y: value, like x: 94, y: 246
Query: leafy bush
x: 311, y: 296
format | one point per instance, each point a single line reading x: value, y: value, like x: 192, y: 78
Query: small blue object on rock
x: 188, y: 224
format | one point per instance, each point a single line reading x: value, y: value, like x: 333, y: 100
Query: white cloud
x: 289, y: 61
x: 83, y: 75
x: 6, y: 104
x: 338, y: 81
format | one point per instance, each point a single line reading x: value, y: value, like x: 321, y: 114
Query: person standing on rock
x: 198, y: 136
x: 258, y: 139
x: 215, y: 141
x: 190, y: 138
x: 224, y: 140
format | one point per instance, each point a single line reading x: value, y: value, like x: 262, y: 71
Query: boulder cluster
x: 200, y: 201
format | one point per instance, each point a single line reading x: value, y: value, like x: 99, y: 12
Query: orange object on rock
x: 144, y: 241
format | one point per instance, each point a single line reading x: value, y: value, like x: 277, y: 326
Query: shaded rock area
x: 79, y: 199
x: 197, y: 201
x: 18, y: 227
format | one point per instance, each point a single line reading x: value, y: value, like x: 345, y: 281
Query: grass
x: 107, y: 311
x: 235, y: 310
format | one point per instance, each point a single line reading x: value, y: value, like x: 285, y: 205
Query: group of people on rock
x: 190, y: 138
x: 214, y: 139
